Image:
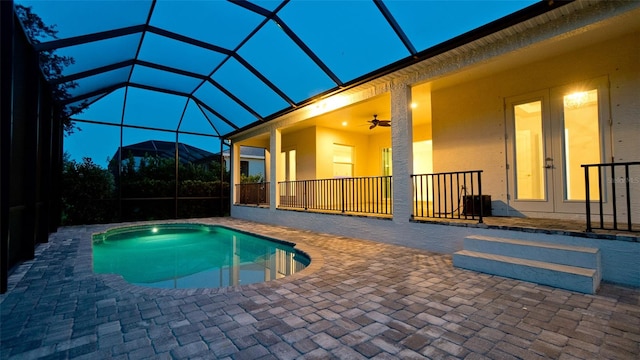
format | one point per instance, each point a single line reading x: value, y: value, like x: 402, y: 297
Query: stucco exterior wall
x: 422, y: 133
x: 304, y: 142
x: 625, y: 97
x: 326, y: 138
x: 377, y: 142
x: 469, y: 118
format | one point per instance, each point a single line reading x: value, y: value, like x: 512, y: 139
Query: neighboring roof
x: 165, y: 149
x: 248, y: 152
x: 214, y: 67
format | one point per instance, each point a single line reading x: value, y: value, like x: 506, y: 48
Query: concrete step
x: 579, y: 256
x: 572, y: 278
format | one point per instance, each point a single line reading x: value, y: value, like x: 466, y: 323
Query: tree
x: 51, y: 64
x: 87, y: 193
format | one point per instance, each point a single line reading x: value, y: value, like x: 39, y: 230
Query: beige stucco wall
x: 303, y: 142
x: 377, y: 142
x: 469, y: 119
x: 367, y: 158
x: 625, y: 96
x: 422, y: 132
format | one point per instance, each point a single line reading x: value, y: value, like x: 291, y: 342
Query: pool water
x: 187, y: 256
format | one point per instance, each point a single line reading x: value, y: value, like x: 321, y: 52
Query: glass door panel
x: 342, y: 161
x: 287, y: 172
x: 581, y: 111
x: 529, y: 151
x: 581, y: 142
x: 530, y: 172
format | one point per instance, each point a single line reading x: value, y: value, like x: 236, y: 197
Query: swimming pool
x: 187, y: 256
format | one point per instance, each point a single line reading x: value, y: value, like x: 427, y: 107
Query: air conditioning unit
x: 473, y: 203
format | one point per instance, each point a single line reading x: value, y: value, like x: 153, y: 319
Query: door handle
x: 548, y: 163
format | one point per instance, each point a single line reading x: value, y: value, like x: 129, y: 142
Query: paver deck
x: 358, y: 299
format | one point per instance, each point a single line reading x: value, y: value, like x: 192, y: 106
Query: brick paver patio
x: 357, y: 300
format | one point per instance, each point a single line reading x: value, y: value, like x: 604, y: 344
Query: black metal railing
x: 252, y: 193
x: 614, y: 181
x: 452, y: 195
x: 372, y: 195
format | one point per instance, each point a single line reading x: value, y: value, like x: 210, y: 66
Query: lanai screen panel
x: 429, y: 23
x: 240, y: 62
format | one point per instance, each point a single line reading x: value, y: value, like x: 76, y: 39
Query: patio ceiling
x: 216, y: 67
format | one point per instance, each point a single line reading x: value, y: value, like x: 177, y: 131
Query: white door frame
x: 553, y: 198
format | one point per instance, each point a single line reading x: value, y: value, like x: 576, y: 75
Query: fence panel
x: 252, y: 193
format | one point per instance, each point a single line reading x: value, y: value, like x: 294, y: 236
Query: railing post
x: 480, y: 194
x: 587, y: 197
x: 613, y: 197
x: 627, y: 182
x: 306, y: 194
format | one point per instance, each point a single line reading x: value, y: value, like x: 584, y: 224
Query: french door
x: 550, y: 134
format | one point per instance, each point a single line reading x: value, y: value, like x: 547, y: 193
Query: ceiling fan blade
x: 373, y: 125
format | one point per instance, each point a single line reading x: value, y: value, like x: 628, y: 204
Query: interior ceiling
x: 215, y: 67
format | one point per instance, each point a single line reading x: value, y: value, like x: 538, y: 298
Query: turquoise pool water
x: 186, y: 256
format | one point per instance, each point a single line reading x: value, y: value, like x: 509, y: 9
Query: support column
x: 267, y: 165
x: 402, y: 153
x: 275, y: 148
x: 234, y: 160
x: 6, y: 137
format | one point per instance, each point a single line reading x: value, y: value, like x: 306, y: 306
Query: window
x: 244, y: 168
x: 342, y: 161
x: 288, y: 170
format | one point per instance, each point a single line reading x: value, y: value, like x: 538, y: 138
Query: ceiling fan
x: 375, y: 122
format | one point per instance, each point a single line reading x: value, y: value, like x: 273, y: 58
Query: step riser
x: 563, y: 280
x: 587, y: 260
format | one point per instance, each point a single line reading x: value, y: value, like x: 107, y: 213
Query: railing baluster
x: 480, y: 196
x: 306, y: 203
x: 451, y: 196
x: 600, y: 197
x: 433, y: 196
x: 627, y: 188
x: 439, y: 200
x: 613, y: 198
x: 473, y: 202
x: 603, y: 190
